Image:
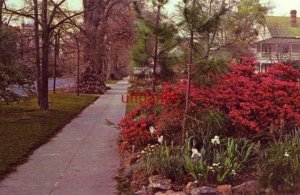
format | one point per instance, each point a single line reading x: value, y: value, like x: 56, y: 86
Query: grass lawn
x: 23, y: 127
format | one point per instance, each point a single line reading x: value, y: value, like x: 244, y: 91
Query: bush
x: 11, y: 71
x: 218, y: 161
x: 252, y: 102
x: 280, y: 164
x: 135, y: 127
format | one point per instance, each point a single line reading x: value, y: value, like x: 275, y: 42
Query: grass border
x: 41, y: 142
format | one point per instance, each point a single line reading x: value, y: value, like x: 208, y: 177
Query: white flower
x: 210, y: 168
x: 216, y: 164
x: 233, y: 172
x: 286, y: 154
x: 215, y: 140
x: 160, y: 139
x: 195, y: 152
x: 152, y: 130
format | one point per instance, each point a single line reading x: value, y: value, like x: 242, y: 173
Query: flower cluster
x: 137, y: 128
x: 215, y: 140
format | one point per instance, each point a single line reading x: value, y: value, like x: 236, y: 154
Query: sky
x: 281, y: 7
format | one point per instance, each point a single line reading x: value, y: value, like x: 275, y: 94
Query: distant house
x: 278, y: 41
x: 147, y: 70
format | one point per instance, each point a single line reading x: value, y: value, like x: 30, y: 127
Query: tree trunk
x: 92, y: 20
x: 156, y: 48
x: 37, y: 49
x: 45, y: 57
x: 1, y: 7
x: 188, y: 88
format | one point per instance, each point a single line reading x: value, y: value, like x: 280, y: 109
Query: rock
x: 205, y: 190
x: 160, y: 193
x: 159, y: 182
x: 129, y: 169
x: 170, y: 192
x: 268, y: 191
x: 190, y: 186
x: 144, y: 191
x: 140, y: 192
x: 224, y: 190
x: 176, y: 193
x: 250, y: 187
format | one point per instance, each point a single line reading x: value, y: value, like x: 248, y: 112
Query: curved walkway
x: 82, y: 159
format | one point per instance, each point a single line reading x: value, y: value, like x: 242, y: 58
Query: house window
x: 296, y: 48
x: 266, y: 48
x: 283, y: 48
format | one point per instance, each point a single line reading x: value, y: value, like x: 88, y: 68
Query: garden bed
x: 242, y: 136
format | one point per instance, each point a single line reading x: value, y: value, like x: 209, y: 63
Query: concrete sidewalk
x: 81, y: 160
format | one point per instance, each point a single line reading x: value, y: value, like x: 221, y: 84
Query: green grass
x: 23, y: 127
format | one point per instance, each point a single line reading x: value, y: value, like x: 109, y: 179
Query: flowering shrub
x: 240, y: 102
x: 137, y: 126
x: 253, y: 102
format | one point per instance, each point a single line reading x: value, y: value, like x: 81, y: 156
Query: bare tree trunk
x: 37, y: 49
x: 95, y: 24
x: 1, y: 8
x: 45, y: 57
x: 156, y: 48
x: 188, y: 88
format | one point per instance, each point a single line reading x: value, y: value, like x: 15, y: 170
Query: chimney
x: 293, y: 18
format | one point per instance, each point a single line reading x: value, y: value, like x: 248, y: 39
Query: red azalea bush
x: 256, y: 101
x: 172, y: 111
x: 135, y: 126
x: 253, y: 103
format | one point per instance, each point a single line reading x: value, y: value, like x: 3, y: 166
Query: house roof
x: 280, y: 26
x: 281, y: 40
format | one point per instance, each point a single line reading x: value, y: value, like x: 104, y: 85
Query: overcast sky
x: 281, y: 7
